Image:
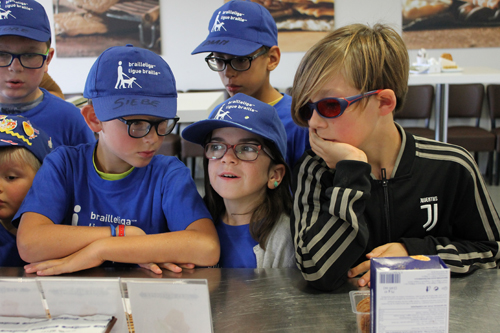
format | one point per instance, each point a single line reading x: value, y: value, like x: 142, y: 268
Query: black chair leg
x: 497, y: 168
x: 489, y: 169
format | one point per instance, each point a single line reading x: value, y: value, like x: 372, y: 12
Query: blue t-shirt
x: 61, y: 121
x: 9, y: 256
x: 236, y: 246
x: 159, y: 197
x: 297, y: 136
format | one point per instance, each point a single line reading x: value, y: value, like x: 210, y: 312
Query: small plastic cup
x: 362, y: 318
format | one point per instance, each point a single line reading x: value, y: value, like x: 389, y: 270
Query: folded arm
x: 198, y: 245
x: 328, y: 226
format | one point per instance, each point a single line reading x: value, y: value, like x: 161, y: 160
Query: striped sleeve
x: 475, y: 226
x: 328, y: 227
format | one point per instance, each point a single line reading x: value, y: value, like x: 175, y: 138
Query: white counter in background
x: 442, y: 81
x: 194, y: 106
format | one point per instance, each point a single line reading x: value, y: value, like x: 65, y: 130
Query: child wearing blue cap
x: 247, y: 182
x: 243, y: 46
x: 25, y: 55
x: 23, y: 146
x: 115, y: 200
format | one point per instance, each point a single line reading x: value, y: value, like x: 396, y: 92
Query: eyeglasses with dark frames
x: 243, y: 151
x: 139, y: 128
x: 332, y: 107
x: 27, y: 60
x: 239, y: 64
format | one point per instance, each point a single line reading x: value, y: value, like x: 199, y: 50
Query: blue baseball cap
x: 245, y: 112
x: 239, y: 28
x: 26, y: 18
x: 129, y: 81
x: 18, y: 131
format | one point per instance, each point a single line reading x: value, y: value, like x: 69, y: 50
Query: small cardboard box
x: 409, y: 294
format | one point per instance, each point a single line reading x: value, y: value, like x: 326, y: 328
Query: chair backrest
x: 493, y: 94
x: 465, y: 100
x: 418, y: 103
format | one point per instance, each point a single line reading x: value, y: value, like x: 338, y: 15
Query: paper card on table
x: 21, y: 297
x: 85, y: 297
x: 169, y: 305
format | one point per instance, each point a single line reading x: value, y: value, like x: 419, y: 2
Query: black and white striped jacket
x: 435, y: 202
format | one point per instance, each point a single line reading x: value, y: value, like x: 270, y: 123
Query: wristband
x: 113, y: 231
x: 121, y: 230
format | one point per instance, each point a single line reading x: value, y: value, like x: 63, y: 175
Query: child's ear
x: 276, y: 174
x: 274, y: 55
x: 49, y: 59
x: 386, y: 101
x: 88, y: 114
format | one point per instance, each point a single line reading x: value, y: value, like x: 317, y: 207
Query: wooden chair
x: 493, y: 97
x: 466, y: 102
x: 418, y: 106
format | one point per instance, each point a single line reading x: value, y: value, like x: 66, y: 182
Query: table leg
x: 437, y: 115
x: 444, y: 118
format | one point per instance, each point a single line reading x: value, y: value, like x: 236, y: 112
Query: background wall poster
x: 85, y: 28
x: 441, y: 24
x: 301, y: 23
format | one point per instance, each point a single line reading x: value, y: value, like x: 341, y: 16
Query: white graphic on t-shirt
x: 124, y: 81
x: 218, y: 24
x: 221, y: 114
x: 5, y: 14
x: 74, y: 219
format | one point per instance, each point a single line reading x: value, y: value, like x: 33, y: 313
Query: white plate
x: 452, y: 70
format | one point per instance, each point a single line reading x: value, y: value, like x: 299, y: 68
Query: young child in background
x: 114, y: 199
x: 368, y: 188
x: 23, y: 146
x: 247, y: 182
x: 25, y: 55
x: 243, y: 46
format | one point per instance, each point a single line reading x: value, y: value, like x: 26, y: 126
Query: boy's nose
x: 152, y: 136
x: 229, y: 71
x: 16, y: 65
x: 316, y: 120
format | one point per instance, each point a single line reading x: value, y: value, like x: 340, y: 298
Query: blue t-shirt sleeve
x: 182, y: 204
x: 49, y: 195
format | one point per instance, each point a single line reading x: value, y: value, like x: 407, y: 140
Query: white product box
x: 409, y: 294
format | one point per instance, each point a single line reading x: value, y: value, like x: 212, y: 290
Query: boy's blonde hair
x: 368, y: 58
x: 19, y: 155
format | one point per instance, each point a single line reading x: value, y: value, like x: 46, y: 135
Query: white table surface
x: 441, y: 81
x: 194, y: 106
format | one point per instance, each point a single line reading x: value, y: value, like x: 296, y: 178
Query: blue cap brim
x: 227, y: 45
x: 15, y: 30
x: 116, y: 106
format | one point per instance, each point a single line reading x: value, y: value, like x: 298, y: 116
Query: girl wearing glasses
x: 247, y: 182
x: 368, y: 188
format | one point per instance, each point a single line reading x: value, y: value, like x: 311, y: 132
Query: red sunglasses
x: 332, y: 107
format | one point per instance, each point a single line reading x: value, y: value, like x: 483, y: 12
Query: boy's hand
x: 85, y: 258
x: 387, y: 250
x: 332, y: 152
x: 176, y: 268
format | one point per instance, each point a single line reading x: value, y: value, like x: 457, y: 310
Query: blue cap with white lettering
x: 26, y: 18
x: 130, y: 81
x: 245, y: 112
x: 239, y: 28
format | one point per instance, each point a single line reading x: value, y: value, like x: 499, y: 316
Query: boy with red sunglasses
x: 368, y: 188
